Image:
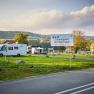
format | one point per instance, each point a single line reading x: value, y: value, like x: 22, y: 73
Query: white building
x: 38, y: 50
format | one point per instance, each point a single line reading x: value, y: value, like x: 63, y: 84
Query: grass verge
x: 38, y: 65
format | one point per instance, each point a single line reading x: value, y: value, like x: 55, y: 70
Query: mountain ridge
x: 11, y: 35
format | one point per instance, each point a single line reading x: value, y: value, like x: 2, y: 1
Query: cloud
x: 35, y: 19
x: 45, y: 18
x: 50, y: 21
x: 83, y: 12
x: 84, y: 18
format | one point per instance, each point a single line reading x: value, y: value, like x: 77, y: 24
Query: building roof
x: 9, y: 42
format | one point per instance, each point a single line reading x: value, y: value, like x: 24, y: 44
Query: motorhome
x: 13, y: 49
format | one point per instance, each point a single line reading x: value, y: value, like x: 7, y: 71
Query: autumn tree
x: 21, y: 38
x: 80, y: 43
x: 2, y: 41
x: 92, y: 46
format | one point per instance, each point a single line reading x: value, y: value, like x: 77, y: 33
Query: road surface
x: 78, y: 82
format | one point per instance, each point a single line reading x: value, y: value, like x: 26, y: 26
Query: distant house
x: 51, y: 50
x: 35, y: 49
x: 92, y: 47
x: 9, y: 42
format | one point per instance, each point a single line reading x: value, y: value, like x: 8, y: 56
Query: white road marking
x: 64, y: 91
x: 82, y: 90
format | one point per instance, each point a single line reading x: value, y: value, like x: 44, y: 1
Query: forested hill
x: 11, y: 34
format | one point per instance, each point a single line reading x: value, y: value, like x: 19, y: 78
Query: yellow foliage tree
x: 21, y: 38
x: 92, y: 47
x: 80, y: 43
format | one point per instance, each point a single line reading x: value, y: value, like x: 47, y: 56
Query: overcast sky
x: 47, y: 16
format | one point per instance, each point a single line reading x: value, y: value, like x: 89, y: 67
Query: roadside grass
x: 38, y: 65
x: 78, y: 55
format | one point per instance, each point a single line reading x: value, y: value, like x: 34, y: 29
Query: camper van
x: 13, y: 49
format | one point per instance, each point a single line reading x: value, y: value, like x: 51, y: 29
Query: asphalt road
x: 79, y: 82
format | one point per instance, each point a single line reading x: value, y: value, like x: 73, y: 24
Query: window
x: 16, y: 48
x: 10, y: 48
x: 3, y: 48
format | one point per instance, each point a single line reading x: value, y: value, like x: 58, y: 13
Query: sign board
x: 61, y: 40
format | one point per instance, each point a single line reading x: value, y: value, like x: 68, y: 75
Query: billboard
x: 61, y: 40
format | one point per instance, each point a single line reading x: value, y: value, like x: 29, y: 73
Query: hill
x: 89, y: 37
x: 11, y: 34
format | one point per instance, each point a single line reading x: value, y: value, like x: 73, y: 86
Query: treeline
x: 80, y: 42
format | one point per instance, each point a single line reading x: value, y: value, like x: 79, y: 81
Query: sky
x: 47, y: 16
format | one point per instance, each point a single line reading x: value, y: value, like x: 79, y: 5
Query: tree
x: 92, y: 47
x: 2, y: 41
x: 21, y: 38
x: 80, y: 43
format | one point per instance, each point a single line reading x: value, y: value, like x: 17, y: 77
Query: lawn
x: 78, y: 55
x: 38, y: 65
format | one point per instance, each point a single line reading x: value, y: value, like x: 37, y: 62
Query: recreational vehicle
x: 13, y: 49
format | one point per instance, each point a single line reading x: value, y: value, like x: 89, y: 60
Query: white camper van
x: 13, y: 49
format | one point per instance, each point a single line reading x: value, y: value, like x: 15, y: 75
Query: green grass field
x: 39, y: 65
x: 78, y: 55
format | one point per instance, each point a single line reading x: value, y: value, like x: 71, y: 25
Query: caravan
x: 13, y: 49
